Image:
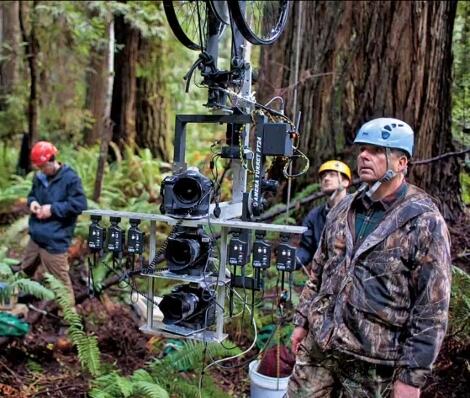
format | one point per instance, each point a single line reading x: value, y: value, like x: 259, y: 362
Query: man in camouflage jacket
x: 372, y: 317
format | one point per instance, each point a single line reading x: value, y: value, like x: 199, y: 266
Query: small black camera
x: 186, y: 194
x: 187, y: 251
x: 190, y: 306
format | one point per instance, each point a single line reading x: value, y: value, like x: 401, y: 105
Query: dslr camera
x: 186, y: 194
x: 190, y: 306
x: 187, y: 251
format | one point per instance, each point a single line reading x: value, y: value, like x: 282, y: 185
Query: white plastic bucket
x: 262, y: 386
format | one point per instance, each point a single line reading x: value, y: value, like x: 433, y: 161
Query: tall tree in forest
x: 139, y: 109
x: 28, y: 16
x: 9, y: 50
x: 124, y: 90
x: 97, y: 80
x: 96, y: 93
x: 152, y: 117
x: 366, y: 59
x: 107, y: 124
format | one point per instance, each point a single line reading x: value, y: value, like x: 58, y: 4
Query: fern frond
x: 87, y: 346
x: 5, y: 271
x: 100, y: 394
x: 149, y: 389
x: 34, y: 288
x: 142, y: 375
x: 14, y: 230
x: 125, y: 386
x: 190, y: 355
x: 107, y: 384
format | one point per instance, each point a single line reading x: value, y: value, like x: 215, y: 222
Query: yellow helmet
x: 336, y: 165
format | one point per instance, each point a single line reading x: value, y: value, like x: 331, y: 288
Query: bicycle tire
x: 220, y: 10
x: 267, y: 19
x: 182, y: 16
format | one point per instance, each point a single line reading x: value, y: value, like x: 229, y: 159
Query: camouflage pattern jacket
x: 386, y: 301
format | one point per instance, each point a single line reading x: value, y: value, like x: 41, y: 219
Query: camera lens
x: 182, y: 252
x: 178, y: 306
x: 187, y: 190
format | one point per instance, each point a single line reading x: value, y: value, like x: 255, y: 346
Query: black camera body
x: 190, y: 306
x: 187, y: 251
x: 186, y: 194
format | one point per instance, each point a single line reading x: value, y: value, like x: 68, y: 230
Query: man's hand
x: 402, y: 390
x: 35, y: 207
x: 44, y: 212
x: 298, y: 335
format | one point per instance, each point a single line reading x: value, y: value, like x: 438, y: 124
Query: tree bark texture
x: 96, y: 83
x: 9, y: 42
x: 32, y: 51
x: 124, y: 89
x: 362, y: 60
x: 107, y: 131
x: 96, y: 94
x: 152, y: 118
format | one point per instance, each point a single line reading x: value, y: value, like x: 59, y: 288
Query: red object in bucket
x: 269, y: 363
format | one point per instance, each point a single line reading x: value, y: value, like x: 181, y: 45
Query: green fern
x: 105, y: 386
x: 5, y: 271
x: 87, y: 346
x: 15, y: 230
x: 460, y: 304
x: 142, y: 375
x: 34, y: 288
x: 190, y: 356
x: 16, y: 282
x: 139, y: 385
x: 149, y: 389
x: 166, y: 371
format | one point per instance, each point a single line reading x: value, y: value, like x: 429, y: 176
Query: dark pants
x: 328, y: 374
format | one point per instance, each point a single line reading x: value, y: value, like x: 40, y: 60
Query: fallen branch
x: 16, y: 377
x: 440, y: 157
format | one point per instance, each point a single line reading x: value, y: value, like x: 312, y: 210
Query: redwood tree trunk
x: 96, y: 93
x: 9, y: 41
x: 124, y: 90
x: 32, y: 51
x: 152, y: 121
x: 368, y: 59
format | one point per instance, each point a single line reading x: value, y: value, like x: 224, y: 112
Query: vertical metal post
x: 152, y: 252
x: 242, y: 48
x: 219, y: 311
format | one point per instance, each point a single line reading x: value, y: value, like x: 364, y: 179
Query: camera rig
x: 254, y: 132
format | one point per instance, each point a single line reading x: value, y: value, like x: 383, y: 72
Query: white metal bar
x: 293, y: 229
x: 151, y: 281
x: 219, y: 310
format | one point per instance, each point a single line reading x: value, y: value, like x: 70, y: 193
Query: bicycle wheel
x: 220, y: 9
x: 260, y: 21
x: 191, y: 22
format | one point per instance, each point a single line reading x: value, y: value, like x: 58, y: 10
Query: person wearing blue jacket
x: 335, y: 178
x: 55, y: 201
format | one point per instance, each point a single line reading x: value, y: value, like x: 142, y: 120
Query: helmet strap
x: 331, y: 199
x: 388, y: 176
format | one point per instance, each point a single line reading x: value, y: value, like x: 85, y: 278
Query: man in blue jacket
x: 55, y: 201
x: 335, y: 178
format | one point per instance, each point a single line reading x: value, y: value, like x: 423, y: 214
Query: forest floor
x: 43, y: 364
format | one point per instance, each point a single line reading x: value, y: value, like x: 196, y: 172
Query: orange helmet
x: 42, y: 152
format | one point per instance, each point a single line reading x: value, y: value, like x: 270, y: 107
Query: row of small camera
x: 188, y: 248
x: 187, y: 252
